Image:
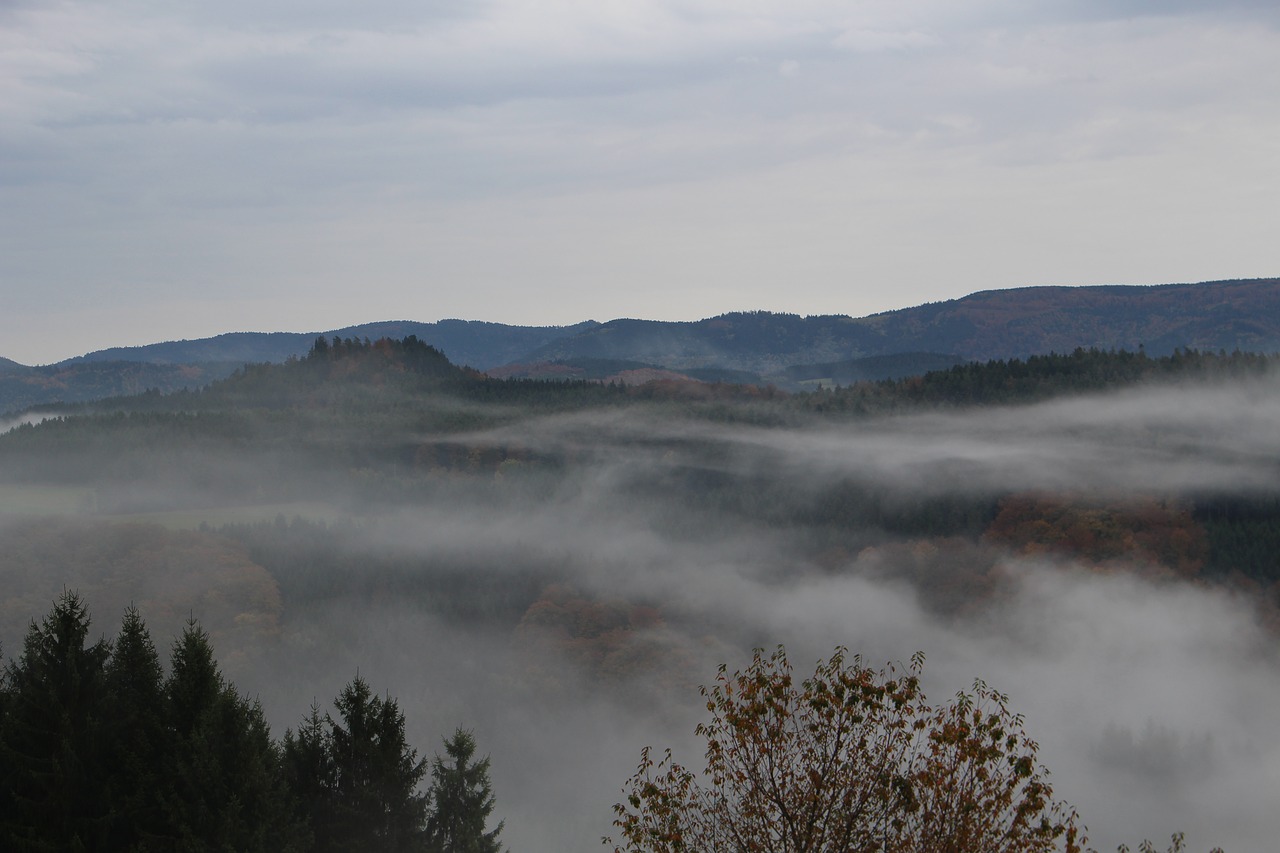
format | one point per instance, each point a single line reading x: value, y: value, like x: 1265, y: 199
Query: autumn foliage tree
x: 851, y: 759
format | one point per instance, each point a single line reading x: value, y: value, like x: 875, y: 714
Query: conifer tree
x: 51, y: 748
x: 311, y: 775
x: 224, y: 786
x: 136, y: 737
x: 461, y: 800
x: 376, y: 802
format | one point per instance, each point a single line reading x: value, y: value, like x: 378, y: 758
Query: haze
x: 1152, y: 697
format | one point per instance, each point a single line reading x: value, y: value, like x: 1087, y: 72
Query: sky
x: 179, y: 169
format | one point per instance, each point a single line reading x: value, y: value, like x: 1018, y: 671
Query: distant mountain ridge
x: 175, y: 365
x: 10, y: 366
x: 27, y: 387
x: 472, y: 343
x: 786, y: 349
x: 1013, y: 323
x: 1230, y: 315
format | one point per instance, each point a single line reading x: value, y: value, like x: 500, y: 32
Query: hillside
x: 787, y: 350
x: 1016, y: 323
x: 25, y: 387
x: 1228, y: 315
x: 470, y: 342
x: 178, y: 365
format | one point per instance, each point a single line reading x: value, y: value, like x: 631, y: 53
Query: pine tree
x: 461, y: 800
x: 136, y: 737
x: 311, y: 775
x: 52, y: 748
x: 376, y: 804
x: 224, y: 785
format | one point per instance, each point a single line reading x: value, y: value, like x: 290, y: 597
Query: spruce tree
x: 461, y: 800
x: 51, y: 744
x: 376, y: 802
x: 224, y: 785
x: 136, y: 737
x: 311, y: 775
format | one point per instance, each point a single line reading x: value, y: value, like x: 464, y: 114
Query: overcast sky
x: 179, y: 169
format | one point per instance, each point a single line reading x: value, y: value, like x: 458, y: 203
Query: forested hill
x: 786, y: 350
x: 470, y: 342
x: 1230, y: 315
x: 346, y: 376
x: 178, y: 365
x: 372, y: 425
x: 24, y: 387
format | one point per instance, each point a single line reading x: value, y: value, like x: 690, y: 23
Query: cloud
x: 874, y: 40
x: 1153, y: 699
x: 27, y: 418
x: 1171, y: 439
x: 275, y: 154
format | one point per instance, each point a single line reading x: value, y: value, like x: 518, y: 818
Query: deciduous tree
x: 854, y: 760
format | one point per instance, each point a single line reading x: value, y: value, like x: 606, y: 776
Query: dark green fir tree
x: 461, y: 800
x: 376, y: 803
x: 136, y: 740
x: 51, y: 743
x: 224, y: 786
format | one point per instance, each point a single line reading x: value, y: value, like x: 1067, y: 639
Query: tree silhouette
x: 376, y: 802
x: 50, y: 745
x: 224, y: 789
x: 136, y: 739
x: 461, y: 800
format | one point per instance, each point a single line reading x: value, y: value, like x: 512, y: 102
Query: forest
x: 573, y: 558
x: 100, y: 749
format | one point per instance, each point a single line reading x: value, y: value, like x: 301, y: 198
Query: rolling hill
x: 759, y: 346
x: 469, y: 342
x: 1016, y: 323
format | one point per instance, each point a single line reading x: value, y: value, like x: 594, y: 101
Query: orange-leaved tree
x: 851, y: 759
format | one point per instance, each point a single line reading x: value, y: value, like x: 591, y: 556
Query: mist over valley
x: 649, y: 427
x: 559, y: 565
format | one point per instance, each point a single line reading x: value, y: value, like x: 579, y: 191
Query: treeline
x: 408, y: 379
x: 359, y: 399
x: 101, y: 750
x: 1037, y: 378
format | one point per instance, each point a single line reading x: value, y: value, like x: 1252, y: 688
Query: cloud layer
x: 1151, y: 699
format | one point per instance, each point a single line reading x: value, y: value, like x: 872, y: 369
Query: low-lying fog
x: 12, y: 423
x: 1153, y: 700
